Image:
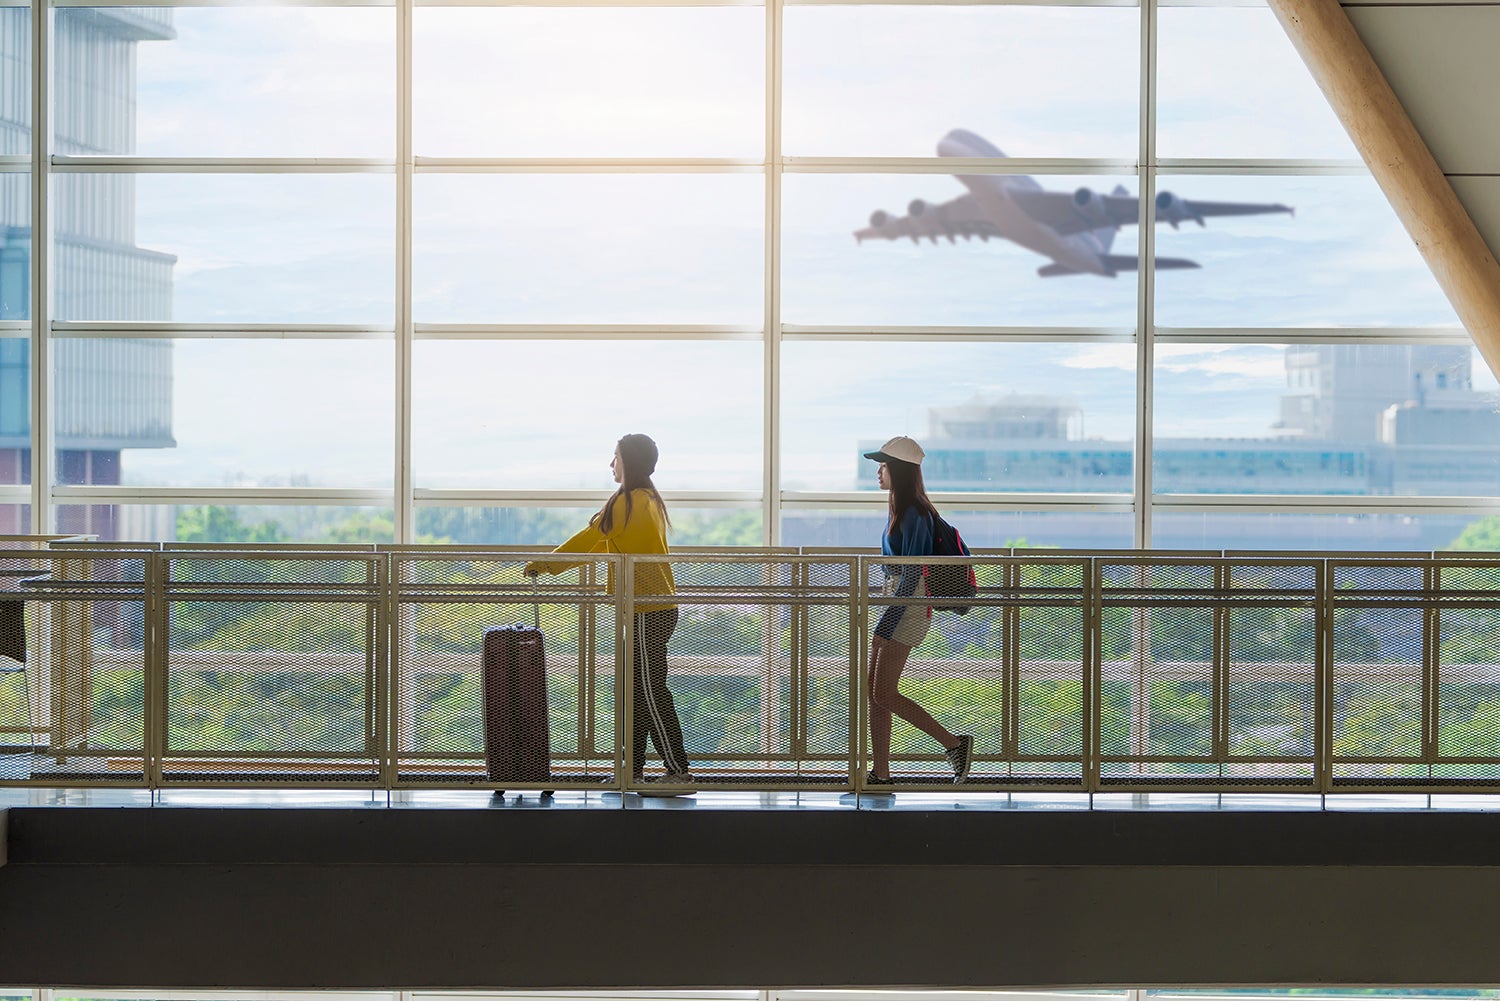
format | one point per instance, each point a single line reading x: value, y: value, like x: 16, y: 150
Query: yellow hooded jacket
x: 646, y: 532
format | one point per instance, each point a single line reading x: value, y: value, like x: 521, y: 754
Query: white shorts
x: 911, y: 630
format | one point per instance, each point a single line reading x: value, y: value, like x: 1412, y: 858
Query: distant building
x: 1355, y: 421
x: 109, y: 395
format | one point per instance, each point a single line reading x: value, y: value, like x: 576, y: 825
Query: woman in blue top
x: 908, y: 532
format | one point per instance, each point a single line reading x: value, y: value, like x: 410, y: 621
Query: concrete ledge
x: 506, y: 900
x: 162, y: 836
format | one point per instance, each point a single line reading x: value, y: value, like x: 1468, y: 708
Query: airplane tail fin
x: 1129, y: 262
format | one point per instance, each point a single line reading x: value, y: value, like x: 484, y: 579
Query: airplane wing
x: 959, y: 217
x: 1078, y: 211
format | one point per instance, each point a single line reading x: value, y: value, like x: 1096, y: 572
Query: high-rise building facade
x: 112, y: 394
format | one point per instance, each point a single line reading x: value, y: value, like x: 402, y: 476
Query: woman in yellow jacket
x: 634, y: 520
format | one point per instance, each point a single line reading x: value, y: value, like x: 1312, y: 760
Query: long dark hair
x: 906, y: 490
x: 637, y: 462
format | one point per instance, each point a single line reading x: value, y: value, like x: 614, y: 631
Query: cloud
x: 1116, y: 356
x: 1241, y: 364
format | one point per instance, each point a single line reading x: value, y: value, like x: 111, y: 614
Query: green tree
x: 363, y: 527
x: 539, y: 527
x: 211, y: 523
x: 736, y: 528
x: 1482, y: 536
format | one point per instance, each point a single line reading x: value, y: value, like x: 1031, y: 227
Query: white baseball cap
x: 899, y: 448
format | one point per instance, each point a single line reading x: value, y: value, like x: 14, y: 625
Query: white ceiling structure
x: 1441, y: 60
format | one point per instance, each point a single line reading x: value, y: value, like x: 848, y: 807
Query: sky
x: 884, y: 80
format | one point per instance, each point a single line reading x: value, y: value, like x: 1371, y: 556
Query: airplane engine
x: 916, y: 208
x: 879, y: 218
x: 1089, y: 205
x: 1174, y: 210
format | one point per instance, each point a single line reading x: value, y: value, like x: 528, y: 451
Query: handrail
x: 1115, y: 670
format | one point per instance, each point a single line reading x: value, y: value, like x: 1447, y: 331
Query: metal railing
x: 166, y: 665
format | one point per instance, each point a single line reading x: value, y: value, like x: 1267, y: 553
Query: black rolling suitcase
x: 517, y: 738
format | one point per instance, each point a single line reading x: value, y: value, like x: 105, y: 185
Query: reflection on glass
x: 1034, y: 418
x: 1342, y: 258
x: 309, y: 248
x: 15, y: 246
x: 929, y: 249
x: 15, y: 410
x: 533, y: 415
x: 589, y: 248
x: 980, y: 529
x: 1229, y: 84
x: 1356, y: 419
x: 636, y: 82
x: 253, y: 81
x: 247, y: 413
x: 15, y: 519
x: 1375, y: 533
x: 15, y: 93
x: 546, y: 527
x: 257, y: 524
x: 891, y: 80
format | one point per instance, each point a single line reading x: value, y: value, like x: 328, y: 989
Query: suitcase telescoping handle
x: 536, y: 606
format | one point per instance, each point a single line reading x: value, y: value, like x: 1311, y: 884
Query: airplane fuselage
x: 1079, y: 251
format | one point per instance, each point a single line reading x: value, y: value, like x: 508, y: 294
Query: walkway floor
x: 737, y: 800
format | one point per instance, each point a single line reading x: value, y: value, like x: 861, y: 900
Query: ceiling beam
x: 1401, y: 163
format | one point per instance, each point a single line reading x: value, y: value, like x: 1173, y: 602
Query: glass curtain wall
x: 404, y: 272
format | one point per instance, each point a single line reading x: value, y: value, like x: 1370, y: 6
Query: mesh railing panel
x: 479, y: 698
x: 271, y: 670
x: 1468, y: 690
x: 282, y: 678
x: 826, y: 692
x: 1378, y: 678
x: 1377, y: 578
x: 1209, y: 672
x: 1377, y: 675
x: 1272, y: 682
x: 1052, y: 679
x: 1270, y: 687
x: 1263, y: 578
x: 73, y: 672
x: 1478, y: 580
x: 1156, y: 685
x: 741, y: 676
x: 1466, y: 710
x: 1156, y: 675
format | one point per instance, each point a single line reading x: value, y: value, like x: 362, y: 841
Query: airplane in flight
x: 1075, y: 229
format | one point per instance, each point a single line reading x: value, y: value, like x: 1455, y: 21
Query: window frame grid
x: 42, y: 164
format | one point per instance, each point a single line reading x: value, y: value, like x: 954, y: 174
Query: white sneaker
x: 671, y: 784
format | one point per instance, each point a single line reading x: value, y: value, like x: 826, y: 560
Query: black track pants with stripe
x: 654, y: 710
